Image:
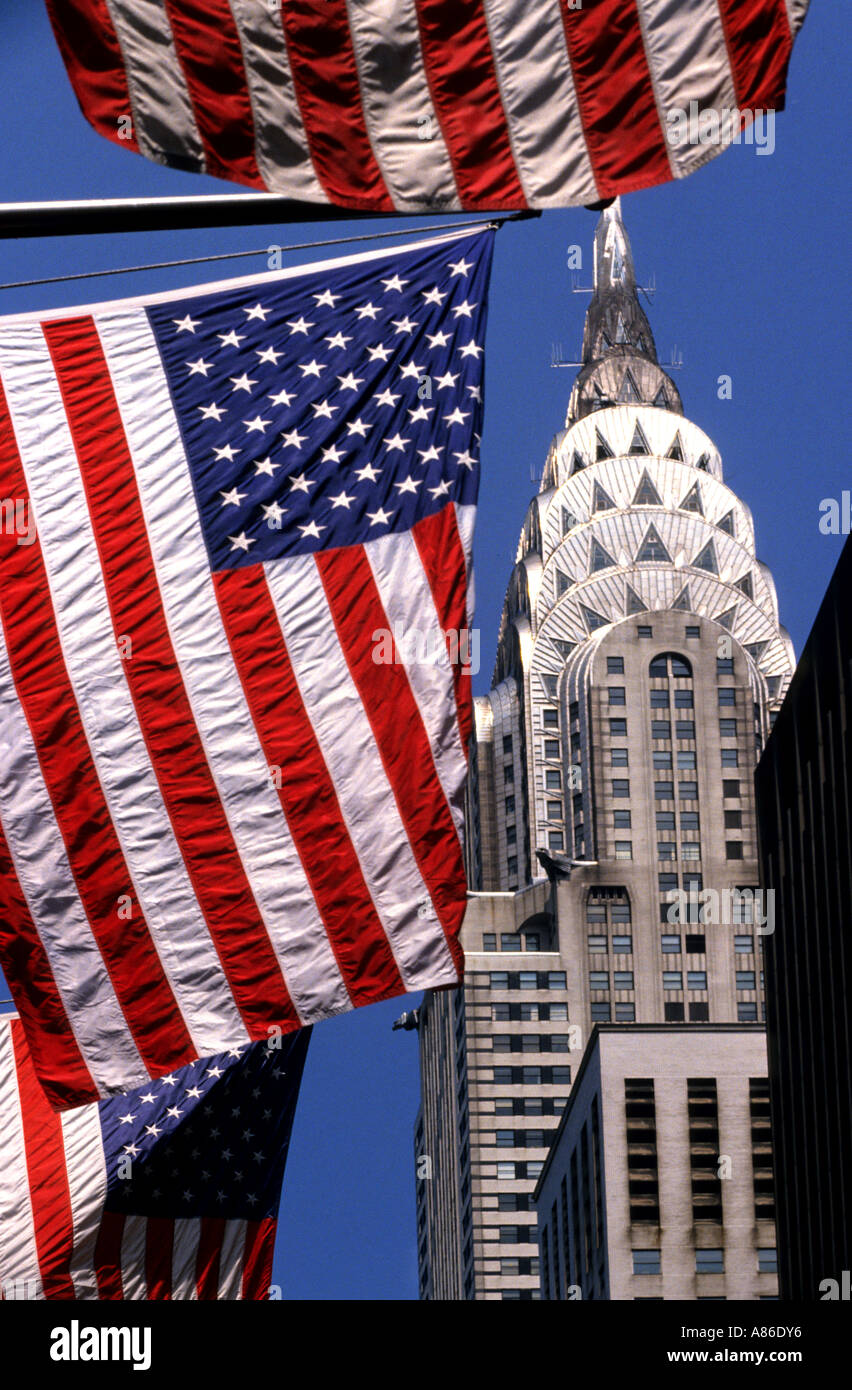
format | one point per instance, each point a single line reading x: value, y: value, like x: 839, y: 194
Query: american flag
x: 170, y: 1191
x: 231, y: 788
x: 418, y: 105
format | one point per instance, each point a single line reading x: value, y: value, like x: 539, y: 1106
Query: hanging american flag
x: 416, y: 105
x: 170, y: 1191
x: 234, y: 670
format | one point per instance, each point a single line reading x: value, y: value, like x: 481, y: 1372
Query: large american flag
x: 231, y: 784
x: 423, y: 104
x: 170, y: 1191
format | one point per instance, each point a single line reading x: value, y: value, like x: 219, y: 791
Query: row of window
x: 531, y: 1042
x: 529, y: 1013
x: 531, y: 1076
x: 520, y: 1139
x: 706, y: 1261
x: 527, y: 979
x: 512, y: 941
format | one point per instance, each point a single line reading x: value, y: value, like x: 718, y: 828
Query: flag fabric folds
x: 170, y: 1191
x: 235, y: 655
x: 418, y: 105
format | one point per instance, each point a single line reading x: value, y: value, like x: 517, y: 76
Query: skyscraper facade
x: 640, y: 663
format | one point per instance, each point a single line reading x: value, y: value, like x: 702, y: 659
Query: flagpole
x: 86, y: 217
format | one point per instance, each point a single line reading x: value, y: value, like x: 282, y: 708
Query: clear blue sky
x: 751, y: 263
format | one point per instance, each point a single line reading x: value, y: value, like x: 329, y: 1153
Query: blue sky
x: 751, y: 261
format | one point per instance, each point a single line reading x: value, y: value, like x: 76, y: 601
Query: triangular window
x: 638, y: 444
x: 727, y: 523
x: 602, y: 449
x: 676, y: 447
x: 593, y: 619
x: 646, y: 493
x: 662, y: 398
x: 728, y: 618
x: 773, y: 685
x: 621, y: 331
x: 633, y: 602
x: 746, y: 585
x: 599, y: 559
x: 563, y: 583
x: 601, y: 500
x: 652, y: 548
x: 706, y: 559
x: 577, y: 462
x: 756, y: 650
x: 641, y: 344
x: 551, y: 686
x: 704, y: 463
x: 569, y: 521
x: 629, y: 393
x: 692, y: 501
x: 682, y: 603
x: 564, y: 648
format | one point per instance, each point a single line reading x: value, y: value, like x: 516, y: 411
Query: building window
x: 661, y: 761
x: 672, y: 979
x: 625, y: 1013
x: 528, y: 979
x: 686, y: 761
x: 730, y: 790
x: 615, y: 665
x: 511, y: 835
x: 683, y: 699
x: 727, y: 695
x: 727, y: 728
x: 508, y: 773
x: 688, y: 791
x: 624, y: 849
x: 555, y: 840
x: 696, y: 979
x: 499, y: 978
x: 664, y: 791
x: 617, y: 695
x: 665, y: 820
x: 646, y: 1262
x: 673, y: 1012
x: 666, y: 849
x: 550, y: 718
x: 489, y: 941
x: 622, y: 979
x: 724, y: 666
x: 689, y: 820
x: 696, y: 945
x: 597, y: 943
x: 621, y: 820
x: 598, y: 979
x: 622, y: 946
x: 699, y: 1011
x: 730, y: 757
x: 500, y: 1013
x: 645, y: 631
x: 684, y: 728
x: 667, y: 882
x: 690, y: 850
x: 510, y: 941
x: 505, y: 1172
x: 709, y: 1262
x: 618, y: 728
x: 746, y: 1012
x: 659, y: 699
x: 733, y: 849
x: 767, y: 1260
x: 505, y: 1139
x: 619, y: 757
x: 733, y: 820
x: 745, y: 979
x: 670, y: 945
x: 661, y: 728
x: 600, y: 1013
x: 507, y: 743
x: 621, y: 787
x: 510, y: 805
x: 744, y: 945
x: 556, y: 979
x: 553, y: 779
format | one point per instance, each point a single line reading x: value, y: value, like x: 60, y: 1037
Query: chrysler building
x: 639, y: 667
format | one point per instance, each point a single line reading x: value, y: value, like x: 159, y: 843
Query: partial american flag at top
x: 231, y: 786
x: 418, y: 105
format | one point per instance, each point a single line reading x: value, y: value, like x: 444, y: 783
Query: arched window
x: 670, y: 664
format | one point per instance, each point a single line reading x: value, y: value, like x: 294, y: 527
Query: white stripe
x: 19, y: 1267
x: 398, y: 112
x: 466, y: 522
x: 231, y: 1260
x: 233, y: 749
x: 281, y: 146
x: 159, y: 877
x: 407, y: 600
x: 185, y: 1258
x: 44, y: 873
x: 354, y: 763
x: 86, y: 1168
x: 542, y: 112
x: 688, y: 61
x: 133, y: 1243
x: 163, y: 119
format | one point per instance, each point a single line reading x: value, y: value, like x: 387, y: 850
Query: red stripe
x: 307, y: 794
x: 466, y: 96
x: 439, y: 546
x: 759, y: 41
x: 92, y: 55
x: 94, y: 854
x: 208, y: 47
x: 257, y: 1261
x: 615, y: 95
x: 48, y: 1179
x: 401, y: 739
x: 162, y: 706
x: 207, y: 1261
x: 325, y: 77
x: 108, y: 1256
x: 159, y: 1239
x: 55, y: 1055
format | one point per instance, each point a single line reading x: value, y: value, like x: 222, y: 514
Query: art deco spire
x: 620, y: 364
